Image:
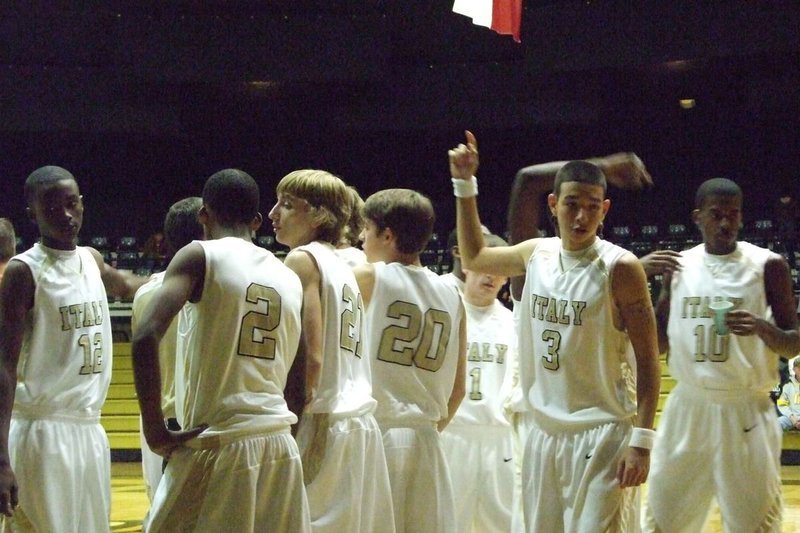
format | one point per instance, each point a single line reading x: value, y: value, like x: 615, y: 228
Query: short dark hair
x: 715, y: 187
x: 233, y: 195
x: 43, y: 176
x: 181, y: 225
x: 582, y: 172
x: 8, y: 240
x: 408, y: 213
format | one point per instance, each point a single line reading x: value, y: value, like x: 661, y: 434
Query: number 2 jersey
x: 65, y: 361
x: 699, y: 356
x: 413, y: 323
x: 237, y: 344
x: 575, y: 360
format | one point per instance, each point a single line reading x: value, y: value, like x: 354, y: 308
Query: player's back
x: 413, y: 321
x: 237, y: 344
x: 345, y: 386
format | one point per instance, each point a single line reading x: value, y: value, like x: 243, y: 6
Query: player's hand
x: 742, y: 322
x: 661, y: 262
x: 633, y: 468
x: 626, y: 171
x: 464, y: 158
x: 9, y: 491
x: 163, y: 441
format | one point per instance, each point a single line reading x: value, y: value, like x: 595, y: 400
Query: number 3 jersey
x: 413, y: 322
x: 575, y: 359
x: 65, y: 361
x: 699, y: 356
x: 237, y: 344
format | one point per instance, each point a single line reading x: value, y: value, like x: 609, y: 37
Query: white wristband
x: 465, y: 188
x: 642, y: 438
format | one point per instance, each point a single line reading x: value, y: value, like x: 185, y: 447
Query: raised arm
x: 182, y: 282
x: 117, y: 283
x: 632, y: 298
x: 475, y: 255
x: 306, y: 269
x: 16, y: 299
x: 623, y: 170
x: 782, y: 337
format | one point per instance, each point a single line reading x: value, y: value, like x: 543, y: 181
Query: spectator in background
x: 8, y: 243
x: 786, y: 219
x: 789, y: 400
x: 155, y: 247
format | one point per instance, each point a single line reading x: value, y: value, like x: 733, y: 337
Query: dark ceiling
x: 146, y: 98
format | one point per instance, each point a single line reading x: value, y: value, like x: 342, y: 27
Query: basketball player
x: 718, y: 435
x: 478, y: 442
x: 343, y: 460
x: 8, y: 244
x: 416, y: 344
x: 586, y: 313
x: 55, y: 368
x: 238, y: 468
x: 180, y: 228
x: 347, y: 248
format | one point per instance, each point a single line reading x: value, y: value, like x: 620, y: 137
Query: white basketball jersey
x: 236, y: 345
x: 413, y: 323
x: 697, y: 354
x: 491, y: 350
x: 167, y: 346
x: 65, y: 361
x: 454, y: 281
x: 351, y: 255
x: 574, y: 361
x: 345, y: 385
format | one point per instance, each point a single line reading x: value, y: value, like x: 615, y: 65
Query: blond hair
x: 328, y: 196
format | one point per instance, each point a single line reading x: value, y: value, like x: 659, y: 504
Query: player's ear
x: 202, y: 215
x: 552, y: 200
x: 696, y: 217
x: 256, y: 222
x: 30, y: 214
x: 454, y: 251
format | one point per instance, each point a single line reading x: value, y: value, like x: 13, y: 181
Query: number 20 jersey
x: 65, y: 361
x: 413, y: 322
x: 575, y: 361
x: 698, y: 355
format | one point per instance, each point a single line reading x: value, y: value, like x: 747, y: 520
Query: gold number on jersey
x: 254, y: 335
x: 553, y: 340
x: 430, y: 331
x: 475, y: 386
x: 716, y: 348
x: 93, y: 361
x: 351, y: 321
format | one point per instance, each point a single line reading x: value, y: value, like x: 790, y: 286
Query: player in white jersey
x: 586, y: 316
x: 238, y: 467
x: 180, y: 228
x: 347, y: 247
x: 478, y: 442
x: 55, y: 368
x: 416, y: 343
x: 343, y: 460
x: 718, y: 429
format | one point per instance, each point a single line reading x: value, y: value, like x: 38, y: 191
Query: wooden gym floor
x: 129, y: 502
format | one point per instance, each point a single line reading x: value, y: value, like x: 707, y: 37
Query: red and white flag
x: 503, y: 16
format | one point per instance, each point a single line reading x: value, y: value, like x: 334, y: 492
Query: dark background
x: 144, y: 100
